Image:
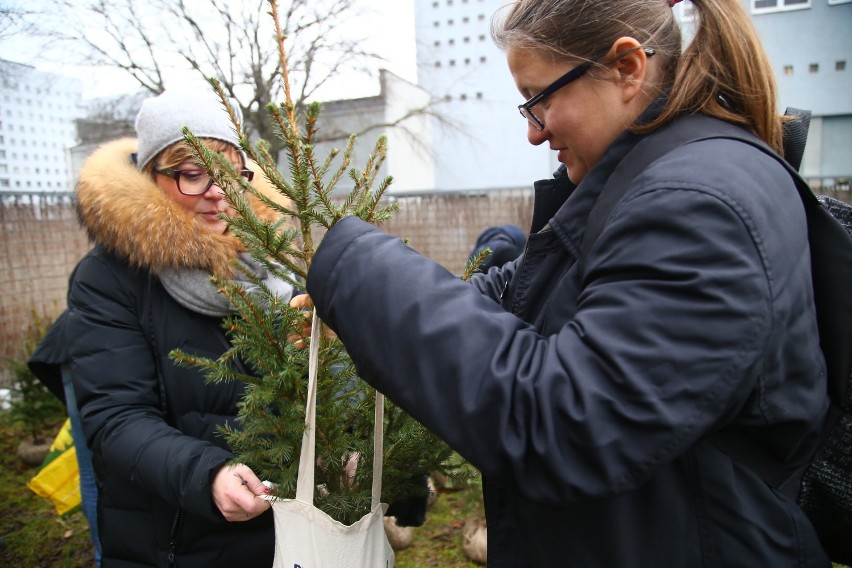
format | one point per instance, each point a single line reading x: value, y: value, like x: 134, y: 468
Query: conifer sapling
x: 272, y: 412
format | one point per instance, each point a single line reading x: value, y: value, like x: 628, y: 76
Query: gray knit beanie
x: 161, y: 119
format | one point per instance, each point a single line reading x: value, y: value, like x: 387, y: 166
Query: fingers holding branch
x: 300, y: 340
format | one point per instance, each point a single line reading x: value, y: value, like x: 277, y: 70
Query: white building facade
x: 37, y: 114
x: 485, y: 145
x: 809, y: 44
x: 400, y: 113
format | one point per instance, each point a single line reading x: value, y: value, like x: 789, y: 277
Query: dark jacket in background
x: 585, y: 399
x: 506, y: 243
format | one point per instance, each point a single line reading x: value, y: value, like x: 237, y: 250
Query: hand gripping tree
x: 272, y: 413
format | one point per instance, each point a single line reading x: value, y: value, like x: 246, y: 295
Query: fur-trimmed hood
x: 123, y: 210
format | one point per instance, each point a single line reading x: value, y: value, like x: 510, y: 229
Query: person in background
x: 587, y: 393
x: 506, y: 243
x: 167, y: 494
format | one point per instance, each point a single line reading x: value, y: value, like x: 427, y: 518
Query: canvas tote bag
x: 305, y: 536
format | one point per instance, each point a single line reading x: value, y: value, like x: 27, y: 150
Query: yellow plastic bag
x: 58, y: 479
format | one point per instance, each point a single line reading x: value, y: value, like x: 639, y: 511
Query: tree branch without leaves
x: 227, y: 39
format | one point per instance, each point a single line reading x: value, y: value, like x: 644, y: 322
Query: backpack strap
x: 831, y: 262
x: 795, y: 135
x: 685, y: 130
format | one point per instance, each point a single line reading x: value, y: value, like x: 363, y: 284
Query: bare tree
x: 14, y: 19
x: 228, y: 39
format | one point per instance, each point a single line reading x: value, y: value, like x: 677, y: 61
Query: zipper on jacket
x: 172, y: 539
x: 505, y: 289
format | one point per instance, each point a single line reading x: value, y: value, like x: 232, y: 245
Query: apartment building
x: 480, y: 142
x: 809, y: 44
x: 37, y: 114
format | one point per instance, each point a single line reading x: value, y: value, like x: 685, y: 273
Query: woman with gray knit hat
x: 167, y: 495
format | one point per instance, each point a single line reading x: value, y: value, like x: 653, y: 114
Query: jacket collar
x: 563, y: 207
x: 125, y: 212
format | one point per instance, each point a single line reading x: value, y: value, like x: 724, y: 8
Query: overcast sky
x: 394, y: 42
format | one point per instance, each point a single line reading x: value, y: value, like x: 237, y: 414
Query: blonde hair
x: 179, y: 152
x: 724, y: 71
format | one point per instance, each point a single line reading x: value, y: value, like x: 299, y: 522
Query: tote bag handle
x: 307, y: 458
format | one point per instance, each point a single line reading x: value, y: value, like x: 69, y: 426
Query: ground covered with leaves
x: 32, y: 535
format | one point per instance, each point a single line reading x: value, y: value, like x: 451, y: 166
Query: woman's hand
x: 235, y: 491
x: 304, y: 302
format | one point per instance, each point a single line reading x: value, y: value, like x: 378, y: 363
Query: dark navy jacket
x: 585, y: 398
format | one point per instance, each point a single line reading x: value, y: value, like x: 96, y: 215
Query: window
x: 437, y: 43
x: 840, y: 65
x: 467, y: 40
x: 452, y: 42
x: 759, y: 6
x: 813, y: 68
x: 788, y: 70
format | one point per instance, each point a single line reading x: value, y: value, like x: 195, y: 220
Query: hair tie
x: 673, y: 2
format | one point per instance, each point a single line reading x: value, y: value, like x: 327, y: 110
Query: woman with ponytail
x: 587, y: 383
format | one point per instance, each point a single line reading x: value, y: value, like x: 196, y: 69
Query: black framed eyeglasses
x: 569, y: 77
x: 195, y: 182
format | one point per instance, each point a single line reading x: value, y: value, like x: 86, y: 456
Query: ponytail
x: 725, y: 73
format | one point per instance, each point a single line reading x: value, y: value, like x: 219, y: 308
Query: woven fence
x: 41, y: 242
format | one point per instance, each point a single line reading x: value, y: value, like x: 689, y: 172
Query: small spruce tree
x: 272, y: 412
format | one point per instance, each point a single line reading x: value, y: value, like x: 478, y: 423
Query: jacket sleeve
x: 118, y: 391
x: 662, y: 347
x: 47, y: 359
x: 494, y: 283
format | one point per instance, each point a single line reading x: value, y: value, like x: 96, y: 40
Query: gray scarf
x: 192, y: 288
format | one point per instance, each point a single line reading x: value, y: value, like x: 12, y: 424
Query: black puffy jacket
x: 150, y: 424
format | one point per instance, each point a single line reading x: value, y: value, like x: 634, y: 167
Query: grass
x: 32, y: 535
x: 439, y: 541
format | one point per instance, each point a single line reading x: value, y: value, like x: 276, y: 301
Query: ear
x: 630, y: 63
